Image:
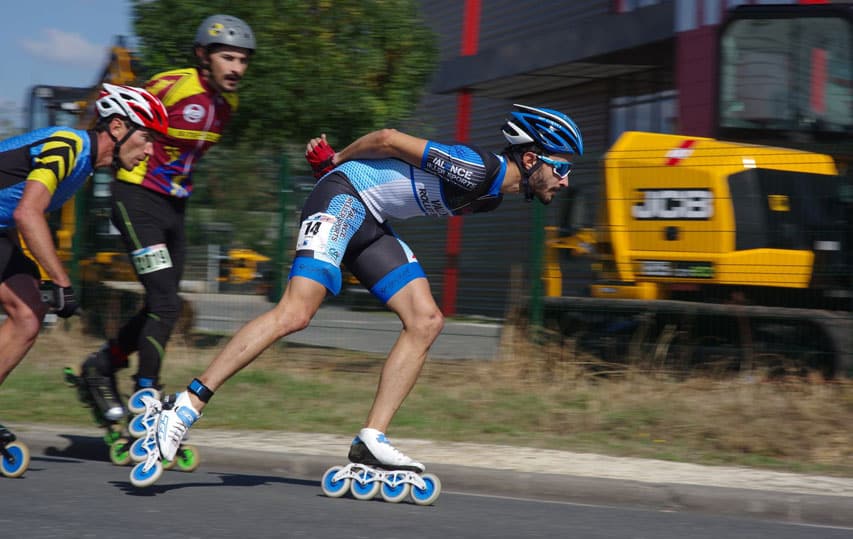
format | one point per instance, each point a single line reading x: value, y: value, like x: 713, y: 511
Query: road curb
x: 764, y: 504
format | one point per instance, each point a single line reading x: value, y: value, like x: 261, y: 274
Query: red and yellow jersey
x: 197, y: 116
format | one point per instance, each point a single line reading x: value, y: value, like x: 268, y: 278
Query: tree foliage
x: 343, y: 67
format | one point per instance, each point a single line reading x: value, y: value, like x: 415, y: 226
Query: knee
x: 28, y: 320
x: 290, y: 320
x: 24, y: 309
x: 436, y: 322
x: 428, y: 324
x: 299, y: 321
x: 166, y: 307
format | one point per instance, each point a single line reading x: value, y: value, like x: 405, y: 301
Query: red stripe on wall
x: 817, y: 93
x: 470, y: 28
x: 470, y: 42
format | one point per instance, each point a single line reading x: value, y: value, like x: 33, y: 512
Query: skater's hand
x: 64, y: 302
x: 320, y: 155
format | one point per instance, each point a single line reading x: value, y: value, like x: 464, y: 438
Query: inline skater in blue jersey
x: 39, y: 172
x: 381, y: 176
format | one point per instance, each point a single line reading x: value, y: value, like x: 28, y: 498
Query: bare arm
x: 31, y: 222
x: 383, y: 144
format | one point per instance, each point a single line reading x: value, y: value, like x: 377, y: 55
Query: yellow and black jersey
x: 60, y: 158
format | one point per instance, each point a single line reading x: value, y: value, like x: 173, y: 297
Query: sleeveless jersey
x: 451, y: 180
x: 197, y: 117
x: 60, y: 158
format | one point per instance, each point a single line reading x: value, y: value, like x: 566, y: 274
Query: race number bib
x: 315, y: 235
x: 152, y: 258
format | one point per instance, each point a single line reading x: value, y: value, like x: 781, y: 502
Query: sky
x: 57, y: 43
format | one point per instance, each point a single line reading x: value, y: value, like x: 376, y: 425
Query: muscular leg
x: 294, y: 311
x: 422, y: 323
x: 21, y: 300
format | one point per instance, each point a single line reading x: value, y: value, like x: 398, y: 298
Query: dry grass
x: 535, y: 394
x: 793, y: 422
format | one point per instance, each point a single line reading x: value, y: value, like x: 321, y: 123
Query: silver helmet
x: 225, y: 30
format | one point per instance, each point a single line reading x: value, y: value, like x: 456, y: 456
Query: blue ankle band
x: 200, y: 390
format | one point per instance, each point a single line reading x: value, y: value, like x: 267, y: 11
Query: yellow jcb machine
x: 244, y: 270
x: 710, y: 251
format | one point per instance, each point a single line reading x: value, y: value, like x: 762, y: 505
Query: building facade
x: 612, y: 65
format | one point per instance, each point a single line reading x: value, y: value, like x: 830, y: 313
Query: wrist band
x: 200, y: 390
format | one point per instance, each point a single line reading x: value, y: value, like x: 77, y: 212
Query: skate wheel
x: 332, y: 488
x: 365, y: 486
x: 15, y: 460
x: 137, y: 427
x: 120, y: 452
x: 135, y: 403
x: 187, y: 458
x: 141, y: 478
x: 70, y: 377
x: 394, y: 493
x: 112, y: 435
x: 429, y: 493
x: 137, y: 452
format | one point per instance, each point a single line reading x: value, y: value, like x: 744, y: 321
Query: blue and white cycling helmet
x: 549, y: 129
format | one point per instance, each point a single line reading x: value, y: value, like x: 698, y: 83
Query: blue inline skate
x: 15, y: 455
x: 145, y: 450
x: 378, y: 468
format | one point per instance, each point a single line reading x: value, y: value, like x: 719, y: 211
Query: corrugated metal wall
x: 494, y: 243
x: 519, y: 21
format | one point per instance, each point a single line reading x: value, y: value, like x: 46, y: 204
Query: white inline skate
x: 377, y: 467
x: 149, y: 454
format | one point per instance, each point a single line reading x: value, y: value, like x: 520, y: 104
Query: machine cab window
x: 787, y: 70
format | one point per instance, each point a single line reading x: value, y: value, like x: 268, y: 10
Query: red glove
x: 320, y: 159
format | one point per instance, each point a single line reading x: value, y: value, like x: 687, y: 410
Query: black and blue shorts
x: 13, y: 261
x: 336, y: 228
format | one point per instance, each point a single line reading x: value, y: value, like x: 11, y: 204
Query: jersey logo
x: 193, y: 113
x: 431, y: 206
x: 453, y: 170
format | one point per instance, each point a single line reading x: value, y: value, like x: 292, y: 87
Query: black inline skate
x: 97, y: 389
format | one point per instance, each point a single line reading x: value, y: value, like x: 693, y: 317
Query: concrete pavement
x: 337, y: 326
x: 515, y: 471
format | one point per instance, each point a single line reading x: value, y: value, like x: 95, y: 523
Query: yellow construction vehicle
x: 695, y: 237
x: 244, y: 270
x: 723, y: 253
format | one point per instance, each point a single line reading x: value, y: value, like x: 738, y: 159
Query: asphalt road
x: 67, y: 495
